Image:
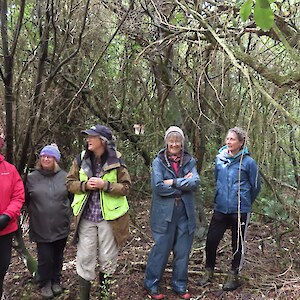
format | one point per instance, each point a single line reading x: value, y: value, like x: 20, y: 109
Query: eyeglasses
x: 174, y: 143
x: 47, y: 156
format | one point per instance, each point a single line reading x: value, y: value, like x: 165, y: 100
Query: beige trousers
x: 93, y: 236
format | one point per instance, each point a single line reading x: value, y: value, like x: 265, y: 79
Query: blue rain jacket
x: 163, y: 195
x: 237, y: 181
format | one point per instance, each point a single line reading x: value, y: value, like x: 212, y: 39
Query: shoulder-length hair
x: 38, y: 165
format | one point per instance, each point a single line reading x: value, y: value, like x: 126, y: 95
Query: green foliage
x: 206, y: 191
x: 276, y: 210
x: 263, y: 13
x: 270, y: 208
x: 179, y: 18
x: 245, y: 10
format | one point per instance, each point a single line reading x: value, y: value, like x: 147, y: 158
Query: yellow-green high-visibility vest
x: 112, y: 206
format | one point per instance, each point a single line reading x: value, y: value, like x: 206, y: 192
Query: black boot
x: 84, y: 288
x: 104, y: 282
x: 57, y: 288
x: 232, y: 281
x: 207, y: 277
x: 46, y: 291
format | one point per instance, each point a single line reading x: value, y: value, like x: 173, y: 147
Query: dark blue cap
x: 99, y: 130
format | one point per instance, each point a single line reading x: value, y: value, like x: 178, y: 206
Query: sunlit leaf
x: 245, y: 10
x: 263, y: 14
x: 179, y: 17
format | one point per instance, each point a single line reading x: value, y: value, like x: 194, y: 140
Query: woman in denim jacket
x: 174, y: 181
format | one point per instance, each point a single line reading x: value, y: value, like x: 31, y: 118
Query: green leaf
x: 245, y: 10
x: 178, y: 18
x: 263, y: 14
x: 264, y: 4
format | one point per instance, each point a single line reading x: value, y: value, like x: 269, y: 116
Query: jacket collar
x: 111, y: 162
x: 224, y: 155
x: 186, y: 157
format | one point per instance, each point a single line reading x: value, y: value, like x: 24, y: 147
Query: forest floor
x: 270, y: 271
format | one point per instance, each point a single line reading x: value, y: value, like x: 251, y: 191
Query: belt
x: 178, y: 201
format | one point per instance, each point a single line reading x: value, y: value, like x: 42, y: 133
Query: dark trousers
x: 50, y: 261
x: 5, y: 257
x: 218, y: 225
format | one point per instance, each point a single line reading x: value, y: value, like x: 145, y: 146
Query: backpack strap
x: 79, y: 158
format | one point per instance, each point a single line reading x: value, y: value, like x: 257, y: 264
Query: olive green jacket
x: 121, y: 187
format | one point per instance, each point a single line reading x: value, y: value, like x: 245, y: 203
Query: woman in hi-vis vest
x: 100, y: 181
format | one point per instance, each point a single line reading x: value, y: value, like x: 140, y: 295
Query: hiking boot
x: 84, y: 288
x: 207, y: 277
x: 46, y: 291
x: 232, y: 282
x: 57, y: 289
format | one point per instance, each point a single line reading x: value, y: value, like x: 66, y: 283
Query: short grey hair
x: 240, y: 132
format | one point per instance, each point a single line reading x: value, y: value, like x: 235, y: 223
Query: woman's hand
x: 168, y: 181
x: 95, y: 183
x: 189, y: 175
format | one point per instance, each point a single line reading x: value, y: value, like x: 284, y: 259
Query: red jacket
x: 11, y: 195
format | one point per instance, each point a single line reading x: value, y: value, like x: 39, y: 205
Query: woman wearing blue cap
x: 100, y: 181
x: 49, y: 209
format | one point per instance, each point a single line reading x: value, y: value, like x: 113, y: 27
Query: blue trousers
x: 176, y: 239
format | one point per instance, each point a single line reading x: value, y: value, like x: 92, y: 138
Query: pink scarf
x: 175, y: 160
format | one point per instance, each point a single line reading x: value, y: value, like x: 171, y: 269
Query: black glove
x: 4, y: 219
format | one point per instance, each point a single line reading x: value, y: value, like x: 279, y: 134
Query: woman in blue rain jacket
x: 174, y: 181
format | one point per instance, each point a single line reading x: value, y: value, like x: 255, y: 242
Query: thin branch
x: 235, y: 62
x: 18, y: 28
x: 102, y: 53
x: 79, y: 42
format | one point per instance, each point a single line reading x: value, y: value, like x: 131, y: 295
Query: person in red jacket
x: 11, y: 202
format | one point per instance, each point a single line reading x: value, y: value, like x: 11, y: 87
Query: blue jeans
x: 176, y: 239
